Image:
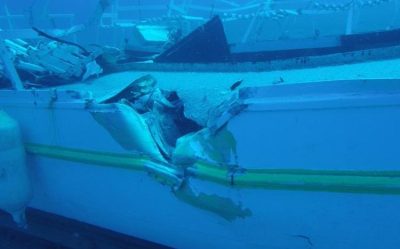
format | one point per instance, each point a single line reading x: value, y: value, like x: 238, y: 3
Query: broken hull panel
x: 81, y: 170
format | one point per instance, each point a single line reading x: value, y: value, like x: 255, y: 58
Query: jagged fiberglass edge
x: 373, y: 182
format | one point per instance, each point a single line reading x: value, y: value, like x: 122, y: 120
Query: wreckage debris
x: 42, y: 33
x: 51, y: 63
x: 179, y: 138
x: 162, y: 110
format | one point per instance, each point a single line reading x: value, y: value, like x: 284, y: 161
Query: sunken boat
x: 100, y: 156
x: 200, y: 159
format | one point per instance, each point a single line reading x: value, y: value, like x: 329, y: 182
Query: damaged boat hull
x: 318, y: 167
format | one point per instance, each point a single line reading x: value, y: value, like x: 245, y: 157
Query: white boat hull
x: 69, y: 150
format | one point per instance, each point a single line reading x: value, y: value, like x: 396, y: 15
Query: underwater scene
x: 197, y: 124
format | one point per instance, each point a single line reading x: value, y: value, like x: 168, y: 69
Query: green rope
x: 114, y: 160
x: 373, y: 182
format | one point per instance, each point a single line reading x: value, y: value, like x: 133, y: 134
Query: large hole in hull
x: 162, y: 110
